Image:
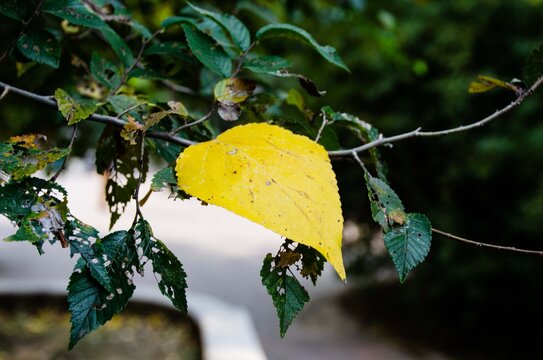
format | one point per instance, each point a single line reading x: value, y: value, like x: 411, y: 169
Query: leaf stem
x: 63, y: 166
x: 242, y: 59
x: 196, y: 122
x: 140, y: 178
x: 324, y: 123
x: 507, y: 248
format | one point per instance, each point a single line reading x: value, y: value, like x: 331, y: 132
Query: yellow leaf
x: 485, y: 83
x: 273, y: 177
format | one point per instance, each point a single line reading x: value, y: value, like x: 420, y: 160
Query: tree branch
x: 104, y: 119
x: 63, y: 166
x: 507, y: 248
x: 418, y: 132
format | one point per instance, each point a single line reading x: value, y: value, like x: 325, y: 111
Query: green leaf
x: 76, y: 13
x: 41, y: 47
x: 163, y: 178
x: 172, y: 48
x: 309, y: 85
x: 288, y: 295
x: 236, y: 29
x: 119, y: 160
x: 104, y: 71
x: 21, y: 157
x: 167, y: 268
x: 409, y: 244
x: 82, y: 239
x: 89, y: 303
x: 386, y: 207
x: 207, y: 52
x: 267, y: 64
x: 294, y: 32
x: 74, y: 111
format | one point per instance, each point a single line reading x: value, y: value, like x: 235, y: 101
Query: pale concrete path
x: 222, y: 255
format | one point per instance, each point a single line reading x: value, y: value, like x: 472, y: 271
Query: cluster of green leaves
x: 213, y: 55
x: 288, y: 295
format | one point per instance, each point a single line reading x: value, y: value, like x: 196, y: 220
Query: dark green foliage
x: 408, y: 244
x: 37, y: 207
x: 119, y: 160
x: 267, y: 64
x: 534, y: 65
x: 168, y: 271
x: 205, y: 50
x: 41, y: 46
x: 287, y: 293
x: 82, y: 240
x: 92, y: 305
x: 294, y: 32
x: 386, y: 207
x: 105, y: 71
x: 237, y: 31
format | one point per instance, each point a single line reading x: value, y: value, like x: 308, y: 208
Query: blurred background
x: 411, y: 63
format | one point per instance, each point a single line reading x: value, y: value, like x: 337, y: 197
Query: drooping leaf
x: 312, y: 262
x: 288, y: 295
x: 267, y: 64
x: 294, y: 32
x: 309, y: 85
x: 20, y: 157
x: 237, y: 31
x: 168, y: 271
x: 37, y: 207
x: 82, y: 240
x: 386, y: 207
x: 89, y: 303
x: 119, y: 161
x: 273, y: 177
x: 485, y: 83
x: 206, y: 51
x: 229, y: 93
x: 41, y: 46
x: 409, y: 244
x: 74, y: 111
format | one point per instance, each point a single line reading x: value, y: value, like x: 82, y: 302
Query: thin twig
x: 178, y: 88
x: 507, y: 248
x: 360, y: 162
x: 324, y: 123
x: 63, y: 166
x: 418, y: 132
x: 126, y: 111
x: 140, y: 178
x: 4, y: 93
x: 23, y: 29
x: 136, y: 61
x: 195, y: 122
x: 104, y: 119
x: 242, y: 59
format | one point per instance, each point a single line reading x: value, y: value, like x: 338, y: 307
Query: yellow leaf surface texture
x: 272, y: 177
